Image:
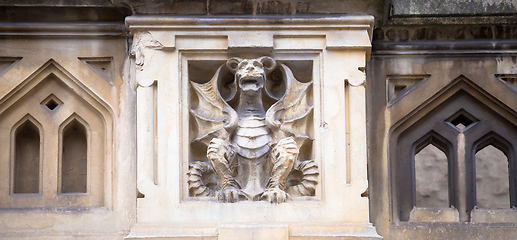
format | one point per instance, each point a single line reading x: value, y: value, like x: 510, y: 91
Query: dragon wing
x: 292, y: 114
x: 213, y: 116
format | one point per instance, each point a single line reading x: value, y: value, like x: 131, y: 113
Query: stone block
x: 253, y: 232
x: 257, y: 143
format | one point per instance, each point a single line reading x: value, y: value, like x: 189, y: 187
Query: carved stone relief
x: 251, y: 121
x: 264, y: 115
x: 143, y: 40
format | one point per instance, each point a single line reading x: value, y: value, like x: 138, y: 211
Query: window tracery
x: 461, y: 127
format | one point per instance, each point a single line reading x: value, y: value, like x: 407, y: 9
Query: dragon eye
x: 257, y: 64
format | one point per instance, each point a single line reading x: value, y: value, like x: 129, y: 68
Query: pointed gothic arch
x: 460, y: 114
x: 508, y: 149
x: 25, y: 157
x: 442, y: 145
x: 56, y: 98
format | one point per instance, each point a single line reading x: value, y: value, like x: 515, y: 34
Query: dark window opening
x: 74, y: 158
x: 27, y: 159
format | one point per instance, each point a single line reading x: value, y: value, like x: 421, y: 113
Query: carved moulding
x: 189, y: 119
x: 252, y: 148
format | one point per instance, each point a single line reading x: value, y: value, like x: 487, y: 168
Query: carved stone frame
x: 338, y: 47
x: 188, y: 55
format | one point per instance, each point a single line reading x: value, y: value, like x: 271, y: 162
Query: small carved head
x: 250, y: 74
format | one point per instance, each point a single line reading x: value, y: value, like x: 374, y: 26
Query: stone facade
x: 64, y: 109
x: 258, y: 119
x: 254, y: 128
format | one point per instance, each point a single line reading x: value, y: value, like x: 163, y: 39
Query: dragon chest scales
x: 252, y: 137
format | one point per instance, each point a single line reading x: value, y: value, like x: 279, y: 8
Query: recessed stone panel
x: 269, y: 129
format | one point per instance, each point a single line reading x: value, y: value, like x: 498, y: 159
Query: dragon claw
x: 275, y: 195
x: 229, y: 195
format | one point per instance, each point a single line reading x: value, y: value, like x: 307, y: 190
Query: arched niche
x: 74, y: 156
x: 69, y: 114
x: 26, y: 156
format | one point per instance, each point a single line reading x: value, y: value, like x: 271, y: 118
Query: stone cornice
x: 451, y: 39
x: 76, y: 30
x: 260, y: 23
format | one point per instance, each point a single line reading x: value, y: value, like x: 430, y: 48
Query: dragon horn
x: 233, y: 63
x: 268, y: 62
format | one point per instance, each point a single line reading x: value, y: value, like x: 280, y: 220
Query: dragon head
x: 250, y: 74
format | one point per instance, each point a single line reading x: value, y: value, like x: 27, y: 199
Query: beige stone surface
x: 501, y: 215
x: 434, y: 215
x: 99, y: 144
x: 168, y: 49
x: 253, y: 232
x: 82, y: 187
x: 428, y: 106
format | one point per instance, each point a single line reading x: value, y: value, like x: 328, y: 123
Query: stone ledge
x: 257, y: 231
x: 263, y: 22
x: 445, y: 33
x: 77, y: 30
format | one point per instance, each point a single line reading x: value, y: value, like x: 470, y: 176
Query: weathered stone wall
x: 456, y: 7
x: 104, y: 10
x: 418, y: 49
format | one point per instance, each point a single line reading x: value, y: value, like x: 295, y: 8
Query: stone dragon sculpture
x: 251, y: 150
